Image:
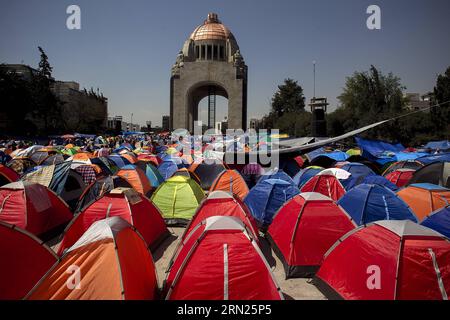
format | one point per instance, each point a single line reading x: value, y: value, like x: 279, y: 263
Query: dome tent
x: 380, y: 180
x: 178, y: 199
x: 222, y: 249
x: 19, y: 250
x: 230, y: 181
x: 98, y: 188
x: 114, y: 264
x: 7, y: 175
x: 400, y: 177
x: 437, y: 173
x: 369, y: 202
x: 267, y: 197
x: 34, y: 208
x: 414, y: 262
x: 424, y: 198
x: 207, y: 171
x: 439, y: 221
x: 136, y: 178
x: 276, y: 174
x: 304, y: 229
x: 327, y: 182
x: 220, y: 203
x: 126, y: 203
x: 305, y: 174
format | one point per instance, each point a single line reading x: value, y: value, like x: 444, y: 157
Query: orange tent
x: 126, y: 203
x: 82, y: 157
x: 136, y: 177
x: 424, y: 198
x: 109, y: 262
x: 131, y: 157
x: 230, y: 181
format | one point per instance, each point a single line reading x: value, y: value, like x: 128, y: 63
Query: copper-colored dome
x: 211, y: 29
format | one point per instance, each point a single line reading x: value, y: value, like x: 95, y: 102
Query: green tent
x: 178, y: 199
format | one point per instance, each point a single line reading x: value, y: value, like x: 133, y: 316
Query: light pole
x: 314, y: 72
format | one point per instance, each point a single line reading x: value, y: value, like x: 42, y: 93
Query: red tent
x: 7, y: 175
x: 387, y: 260
x: 24, y: 260
x: 219, y: 260
x: 33, y: 207
x: 109, y: 262
x: 126, y: 203
x: 326, y: 184
x: 304, y: 229
x: 400, y: 177
x: 220, y: 203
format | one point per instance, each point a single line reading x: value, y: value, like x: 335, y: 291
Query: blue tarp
x: 439, y: 221
x: 404, y: 156
x: 435, y: 145
x: 442, y: 157
x: 370, y: 202
x: 304, y: 175
x: 276, y: 174
x: 379, y: 151
x: 335, y: 155
x: 267, y: 197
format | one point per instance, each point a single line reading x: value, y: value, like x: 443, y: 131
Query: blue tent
x: 359, y: 172
x: 370, y: 202
x: 119, y: 160
x: 435, y: 145
x: 167, y: 168
x: 267, y: 197
x: 439, y: 221
x: 304, y: 175
x: 382, y: 181
x: 276, y: 174
x: 153, y: 175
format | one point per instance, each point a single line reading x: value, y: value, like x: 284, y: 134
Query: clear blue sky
x: 126, y: 48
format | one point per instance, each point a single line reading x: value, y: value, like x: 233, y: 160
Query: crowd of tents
x: 336, y: 216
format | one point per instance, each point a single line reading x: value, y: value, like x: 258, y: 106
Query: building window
x: 221, y: 53
x: 215, y: 53
x: 203, y: 52
x: 209, y: 57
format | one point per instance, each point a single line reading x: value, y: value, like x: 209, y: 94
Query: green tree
x: 46, y: 106
x: 45, y: 69
x: 288, y: 99
x: 441, y: 114
x: 369, y: 97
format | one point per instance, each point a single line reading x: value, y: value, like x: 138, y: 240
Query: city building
x: 82, y: 110
x: 166, y: 123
